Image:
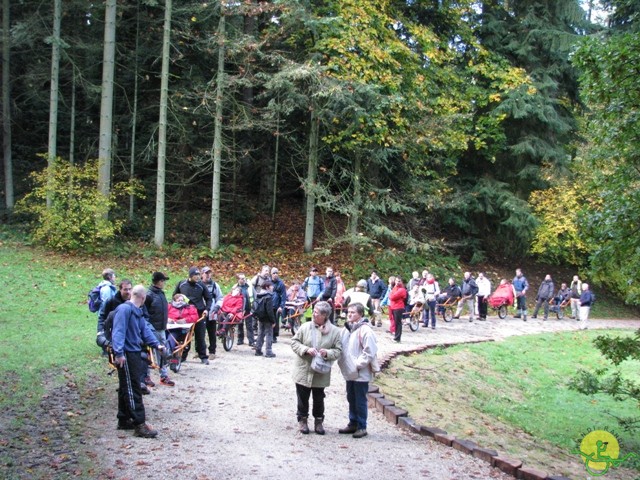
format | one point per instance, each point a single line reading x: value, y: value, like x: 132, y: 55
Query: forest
x: 487, y: 129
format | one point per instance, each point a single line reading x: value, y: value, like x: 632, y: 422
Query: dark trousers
x: 542, y: 302
x: 130, y: 404
x: 199, y: 334
x: 482, y: 307
x: 251, y: 334
x: 430, y: 311
x: 212, y: 326
x: 357, y: 398
x: 276, y: 327
x: 397, y: 320
x: 303, y: 394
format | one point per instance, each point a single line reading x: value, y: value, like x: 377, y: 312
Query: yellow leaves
x: 495, y: 97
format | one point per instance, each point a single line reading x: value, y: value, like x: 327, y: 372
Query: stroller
x: 179, y: 338
x: 501, y: 299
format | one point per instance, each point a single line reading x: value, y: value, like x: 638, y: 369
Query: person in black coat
x: 158, y: 308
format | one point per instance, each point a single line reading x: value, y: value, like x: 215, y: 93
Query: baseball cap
x: 194, y: 271
x: 158, y: 276
x: 206, y: 270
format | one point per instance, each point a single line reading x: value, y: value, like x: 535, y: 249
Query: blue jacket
x: 279, y: 294
x: 313, y: 286
x: 130, y: 330
x: 520, y: 284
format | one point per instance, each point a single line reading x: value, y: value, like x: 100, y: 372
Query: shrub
x: 77, y: 218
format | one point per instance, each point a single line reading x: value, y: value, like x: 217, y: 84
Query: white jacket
x: 359, y: 354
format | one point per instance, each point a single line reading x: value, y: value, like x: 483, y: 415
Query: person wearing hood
x: 545, y: 293
x: 357, y: 363
x: 317, y: 337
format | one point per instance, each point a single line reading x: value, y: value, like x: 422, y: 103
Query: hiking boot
x: 145, y: 431
x: 275, y: 340
x: 126, y: 425
x: 318, y: 427
x: 360, y: 433
x: 144, y: 389
x: 534, y: 316
x: 270, y: 355
x: 167, y: 381
x: 212, y: 356
x: 303, y: 426
x: 149, y: 382
x: 258, y: 353
x: 350, y: 428
x: 204, y: 361
x: 524, y: 317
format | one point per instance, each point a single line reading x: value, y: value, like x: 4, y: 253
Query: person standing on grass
x: 158, y: 308
x: 357, y: 363
x: 520, y: 287
x: 397, y: 303
x: 317, y: 337
x: 545, y: 293
x: 130, y: 331
x: 586, y: 300
x: 107, y: 288
x: 122, y: 295
x: 199, y: 296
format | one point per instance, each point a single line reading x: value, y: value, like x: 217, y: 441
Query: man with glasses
x: 358, y: 364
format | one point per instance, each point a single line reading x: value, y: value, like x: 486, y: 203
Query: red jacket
x: 188, y: 313
x: 231, y: 304
x: 397, y: 297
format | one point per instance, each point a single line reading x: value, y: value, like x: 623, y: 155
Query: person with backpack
x: 130, y: 331
x: 216, y: 302
x: 469, y: 290
x: 103, y: 338
x: 102, y: 292
x: 313, y: 285
x: 279, y: 300
x: 266, y: 318
x: 198, y: 296
x: 431, y: 289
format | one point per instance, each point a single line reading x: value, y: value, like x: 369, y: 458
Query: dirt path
x: 236, y: 419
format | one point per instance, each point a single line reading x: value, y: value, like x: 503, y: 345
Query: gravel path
x: 236, y: 419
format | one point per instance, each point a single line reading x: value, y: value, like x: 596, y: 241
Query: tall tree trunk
x: 217, y: 136
x: 312, y: 172
x: 357, y: 198
x: 106, y: 104
x: 53, y: 96
x: 72, y: 120
x: 134, y: 120
x: 275, y: 170
x: 162, y: 125
x: 6, y: 107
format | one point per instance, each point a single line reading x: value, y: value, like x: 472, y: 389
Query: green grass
x: 486, y: 390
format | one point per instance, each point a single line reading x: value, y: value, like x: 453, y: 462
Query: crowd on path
x: 138, y: 326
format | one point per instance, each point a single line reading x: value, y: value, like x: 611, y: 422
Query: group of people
x: 132, y: 318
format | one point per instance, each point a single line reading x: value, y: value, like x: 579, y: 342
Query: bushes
x: 77, y: 217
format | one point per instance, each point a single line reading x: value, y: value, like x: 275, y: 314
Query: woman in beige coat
x: 317, y: 337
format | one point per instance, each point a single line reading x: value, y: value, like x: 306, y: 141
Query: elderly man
x: 130, y: 331
x: 469, y: 290
x: 545, y: 293
x: 357, y: 364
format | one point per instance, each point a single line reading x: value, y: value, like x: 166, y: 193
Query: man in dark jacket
x: 279, y: 300
x: 122, y: 295
x: 469, y: 290
x: 265, y: 316
x: 329, y: 292
x: 130, y: 331
x: 376, y: 289
x: 545, y: 293
x: 200, y: 298
x: 158, y: 308
x: 216, y: 303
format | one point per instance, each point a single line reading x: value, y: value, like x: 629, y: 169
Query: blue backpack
x: 94, y: 301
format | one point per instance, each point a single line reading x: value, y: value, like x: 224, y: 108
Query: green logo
x: 600, y: 451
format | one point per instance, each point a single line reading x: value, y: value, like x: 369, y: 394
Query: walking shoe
x: 303, y: 426
x: 204, y: 361
x: 270, y: 355
x: 524, y: 317
x: 275, y: 340
x: 167, y: 381
x: 456, y: 318
x: 126, y: 425
x: 433, y: 328
x: 240, y: 342
x: 212, y: 356
x: 149, y: 382
x: 144, y: 389
x: 258, y: 353
x: 145, y: 431
x: 350, y: 428
x: 534, y: 316
x: 360, y: 433
x: 318, y: 427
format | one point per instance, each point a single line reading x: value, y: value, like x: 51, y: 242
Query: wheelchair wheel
x: 502, y: 312
x: 175, y: 363
x: 447, y: 315
x: 229, y: 338
x: 560, y: 312
x: 414, y: 321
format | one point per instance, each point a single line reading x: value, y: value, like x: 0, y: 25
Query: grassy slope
x: 512, y: 396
